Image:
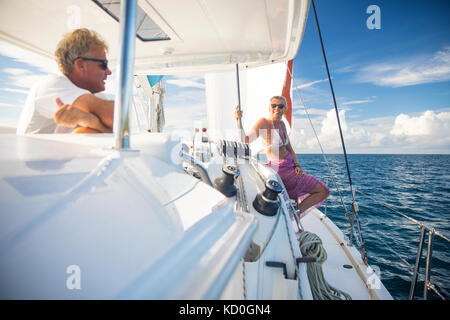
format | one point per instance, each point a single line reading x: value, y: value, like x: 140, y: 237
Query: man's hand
x: 70, y: 116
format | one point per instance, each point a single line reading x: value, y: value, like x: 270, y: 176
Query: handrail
x: 219, y: 241
x: 424, y: 228
x: 420, y: 224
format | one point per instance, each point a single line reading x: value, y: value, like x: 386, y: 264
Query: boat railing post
x: 428, y: 266
x: 125, y: 71
x: 417, y: 266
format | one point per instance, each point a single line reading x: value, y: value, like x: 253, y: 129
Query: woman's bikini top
x: 277, y: 141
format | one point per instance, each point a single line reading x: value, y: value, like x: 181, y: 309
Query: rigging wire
x: 354, y: 211
x: 359, y: 239
x: 354, y: 204
x: 334, y: 97
x: 420, y: 224
x: 332, y: 174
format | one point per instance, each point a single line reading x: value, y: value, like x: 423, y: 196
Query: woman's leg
x: 317, y: 195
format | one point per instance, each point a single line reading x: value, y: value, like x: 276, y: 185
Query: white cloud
x: 356, y: 102
x: 312, y: 94
x: 2, y: 104
x: 25, y: 81
x: 300, y: 111
x: 16, y: 71
x: 185, y: 108
x: 428, y: 132
x: 309, y: 84
x: 20, y: 77
x: 417, y: 70
x: 428, y: 125
x: 187, y: 81
x: 22, y: 91
x: 44, y: 64
x: 304, y: 138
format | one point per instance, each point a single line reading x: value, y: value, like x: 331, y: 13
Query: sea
x: 391, y: 190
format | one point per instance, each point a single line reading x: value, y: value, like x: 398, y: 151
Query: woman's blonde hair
x: 76, y: 44
x: 279, y: 98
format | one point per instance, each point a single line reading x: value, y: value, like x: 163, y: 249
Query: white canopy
x: 192, y: 35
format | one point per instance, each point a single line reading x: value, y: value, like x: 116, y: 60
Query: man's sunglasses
x: 104, y: 65
x: 280, y: 106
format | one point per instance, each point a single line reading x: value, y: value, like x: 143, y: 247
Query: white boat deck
x: 359, y: 281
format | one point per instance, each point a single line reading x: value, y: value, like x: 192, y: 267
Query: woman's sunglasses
x: 104, y: 65
x: 274, y: 105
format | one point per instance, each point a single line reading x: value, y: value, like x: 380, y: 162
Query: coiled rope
x: 311, y: 246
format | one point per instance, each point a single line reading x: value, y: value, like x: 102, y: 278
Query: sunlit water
x: 415, y: 185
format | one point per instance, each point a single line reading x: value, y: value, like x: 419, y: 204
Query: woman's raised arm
x: 254, y: 132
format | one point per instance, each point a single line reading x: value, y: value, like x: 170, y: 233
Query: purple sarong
x: 298, y: 188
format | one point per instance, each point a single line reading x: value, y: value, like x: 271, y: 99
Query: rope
x: 311, y: 246
x: 270, y: 237
x: 293, y: 254
x: 244, y: 284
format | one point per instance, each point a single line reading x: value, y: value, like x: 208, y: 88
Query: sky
x: 392, y: 82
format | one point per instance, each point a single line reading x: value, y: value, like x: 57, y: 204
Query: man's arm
x: 103, y: 109
x: 70, y: 116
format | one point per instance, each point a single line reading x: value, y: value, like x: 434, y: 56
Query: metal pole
x: 125, y: 72
x: 242, y: 195
x: 241, y: 129
x: 416, y: 268
x: 427, y: 270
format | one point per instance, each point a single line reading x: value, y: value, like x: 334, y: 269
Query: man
x: 67, y: 102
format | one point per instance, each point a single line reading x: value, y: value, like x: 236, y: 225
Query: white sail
x: 257, y: 86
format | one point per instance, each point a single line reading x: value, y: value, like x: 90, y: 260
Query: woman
x: 304, y: 188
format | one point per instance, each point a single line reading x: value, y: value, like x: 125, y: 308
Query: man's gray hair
x: 76, y: 44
